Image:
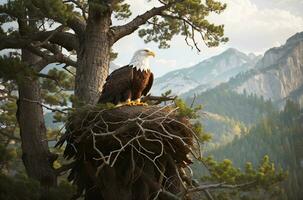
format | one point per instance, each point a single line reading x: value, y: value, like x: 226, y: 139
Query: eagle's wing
x: 117, y: 86
x: 149, y: 84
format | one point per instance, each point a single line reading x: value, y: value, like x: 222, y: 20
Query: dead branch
x: 152, y: 143
x: 218, y: 186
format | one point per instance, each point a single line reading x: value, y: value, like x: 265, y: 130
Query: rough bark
x: 93, y: 58
x: 35, y: 153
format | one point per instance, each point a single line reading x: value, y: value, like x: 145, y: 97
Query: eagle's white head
x: 140, y: 60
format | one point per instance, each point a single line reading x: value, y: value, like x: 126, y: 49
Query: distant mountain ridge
x: 278, y: 75
x: 206, y: 74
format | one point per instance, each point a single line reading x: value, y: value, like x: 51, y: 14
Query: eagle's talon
x: 141, y: 104
x: 130, y: 103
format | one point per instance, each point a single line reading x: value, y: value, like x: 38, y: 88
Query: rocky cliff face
x: 279, y: 74
x: 206, y: 74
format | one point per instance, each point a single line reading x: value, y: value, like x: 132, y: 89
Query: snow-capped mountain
x: 206, y: 74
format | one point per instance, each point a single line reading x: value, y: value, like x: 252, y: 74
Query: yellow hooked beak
x: 151, y: 53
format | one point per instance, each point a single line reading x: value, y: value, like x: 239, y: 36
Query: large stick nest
x: 129, y: 152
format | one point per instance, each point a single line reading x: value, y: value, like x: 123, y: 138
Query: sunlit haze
x: 251, y: 25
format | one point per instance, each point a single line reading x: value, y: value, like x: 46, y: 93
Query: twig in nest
x: 149, y: 133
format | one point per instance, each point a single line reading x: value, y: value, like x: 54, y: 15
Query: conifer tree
x: 48, y: 31
x: 45, y: 29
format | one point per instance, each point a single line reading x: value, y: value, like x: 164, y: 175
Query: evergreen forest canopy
x: 51, y: 31
x: 279, y: 135
x: 247, y: 108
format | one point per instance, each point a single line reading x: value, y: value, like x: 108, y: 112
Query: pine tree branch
x: 9, y: 42
x: 51, y: 35
x: 12, y: 137
x: 126, y: 29
x: 82, y: 7
x: 67, y: 40
x: 187, y: 34
x: 64, y: 39
x: 48, y: 59
x: 48, y: 77
x: 44, y: 106
x: 73, y: 20
x: 218, y: 186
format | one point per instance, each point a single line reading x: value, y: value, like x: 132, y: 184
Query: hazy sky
x: 251, y: 25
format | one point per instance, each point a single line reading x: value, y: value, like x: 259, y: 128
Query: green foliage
x: 185, y: 111
x: 56, y: 90
x: 280, y: 137
x: 263, y: 181
x: 54, y: 9
x: 264, y: 175
x: 9, y: 132
x: 260, y: 181
x: 229, y: 114
x: 11, y: 68
x: 181, y: 18
x: 121, y: 10
x: 20, y: 187
x: 64, y: 191
x: 247, y: 108
x: 59, y: 80
x: 192, y: 113
x: 113, y: 55
x: 7, y: 156
x: 223, y: 129
x: 202, y: 134
x: 186, y: 17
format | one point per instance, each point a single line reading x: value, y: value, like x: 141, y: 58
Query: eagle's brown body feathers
x: 126, y: 83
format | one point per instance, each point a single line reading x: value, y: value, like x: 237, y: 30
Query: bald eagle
x: 127, y: 84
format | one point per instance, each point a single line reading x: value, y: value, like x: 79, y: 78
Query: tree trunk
x: 93, y: 58
x: 35, y: 153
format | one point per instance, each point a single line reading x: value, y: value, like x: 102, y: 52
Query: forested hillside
x: 228, y: 113
x: 280, y: 136
x: 222, y: 129
x: 247, y: 108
